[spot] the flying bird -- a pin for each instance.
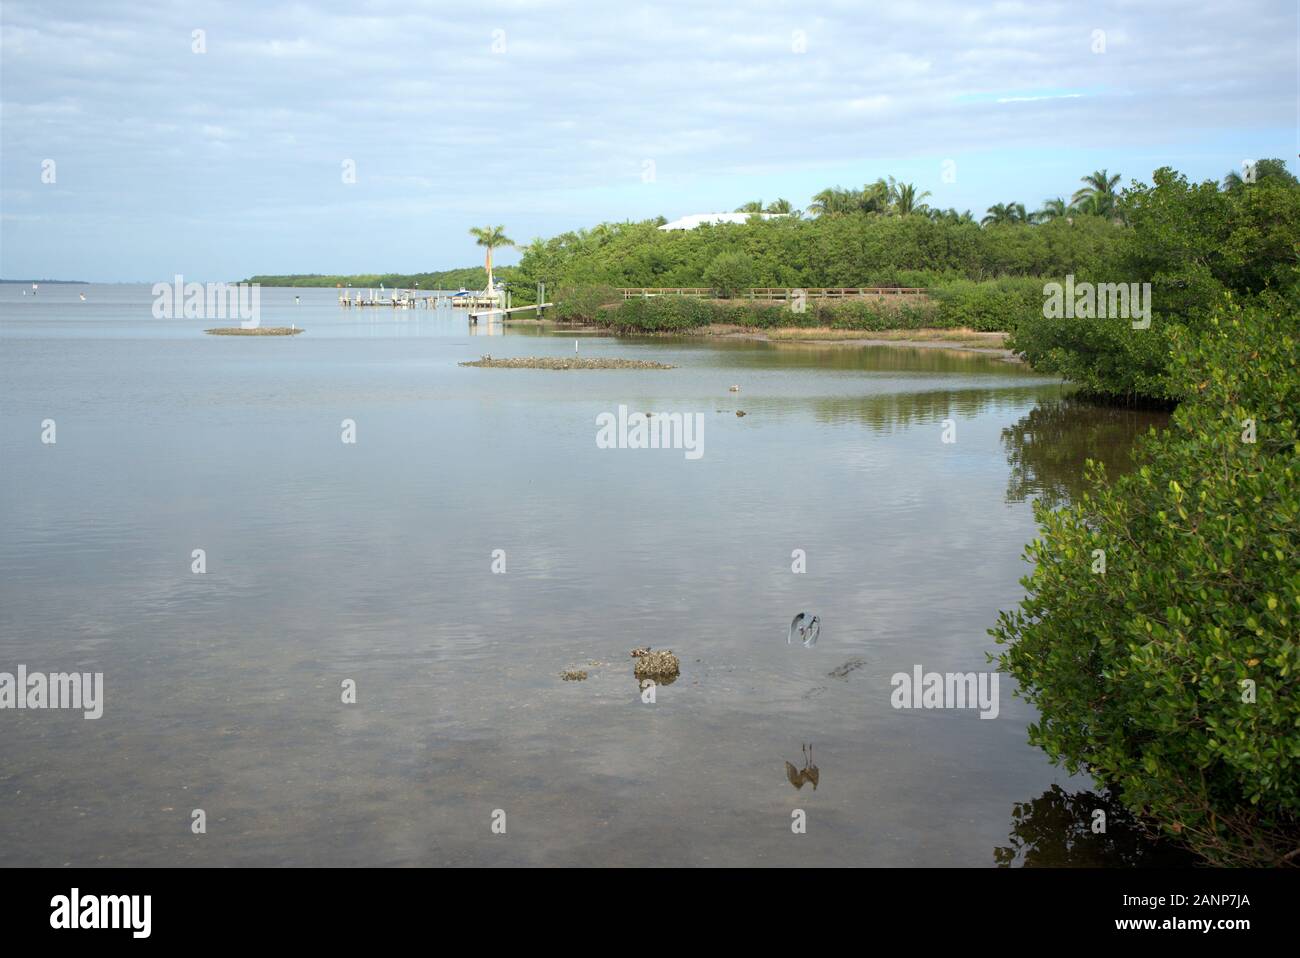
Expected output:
(805, 628)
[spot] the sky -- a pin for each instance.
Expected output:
(221, 140)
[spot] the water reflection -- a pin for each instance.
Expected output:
(1046, 449)
(1059, 828)
(889, 412)
(799, 777)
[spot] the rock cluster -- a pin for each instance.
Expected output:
(255, 331)
(657, 665)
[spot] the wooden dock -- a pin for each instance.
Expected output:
(394, 300)
(408, 300)
(777, 294)
(474, 317)
(473, 301)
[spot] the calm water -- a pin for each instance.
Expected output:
(372, 562)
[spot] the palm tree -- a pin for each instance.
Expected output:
(1000, 214)
(780, 206)
(491, 237)
(837, 201)
(1052, 210)
(821, 203)
(833, 201)
(536, 262)
(876, 197)
(906, 200)
(1264, 170)
(1098, 194)
(753, 206)
(949, 215)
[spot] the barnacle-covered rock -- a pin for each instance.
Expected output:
(658, 666)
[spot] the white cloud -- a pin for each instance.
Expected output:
(582, 95)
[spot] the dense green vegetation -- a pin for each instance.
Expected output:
(830, 250)
(1195, 244)
(1157, 637)
(680, 313)
(1170, 670)
(881, 235)
(960, 304)
(730, 274)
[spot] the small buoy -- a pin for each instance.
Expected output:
(575, 347)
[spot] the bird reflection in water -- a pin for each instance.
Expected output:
(798, 777)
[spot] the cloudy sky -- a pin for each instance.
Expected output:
(227, 152)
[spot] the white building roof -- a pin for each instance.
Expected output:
(699, 219)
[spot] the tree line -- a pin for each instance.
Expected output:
(1098, 196)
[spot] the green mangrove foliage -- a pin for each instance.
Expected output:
(730, 274)
(832, 250)
(1185, 245)
(982, 307)
(1195, 244)
(1158, 634)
